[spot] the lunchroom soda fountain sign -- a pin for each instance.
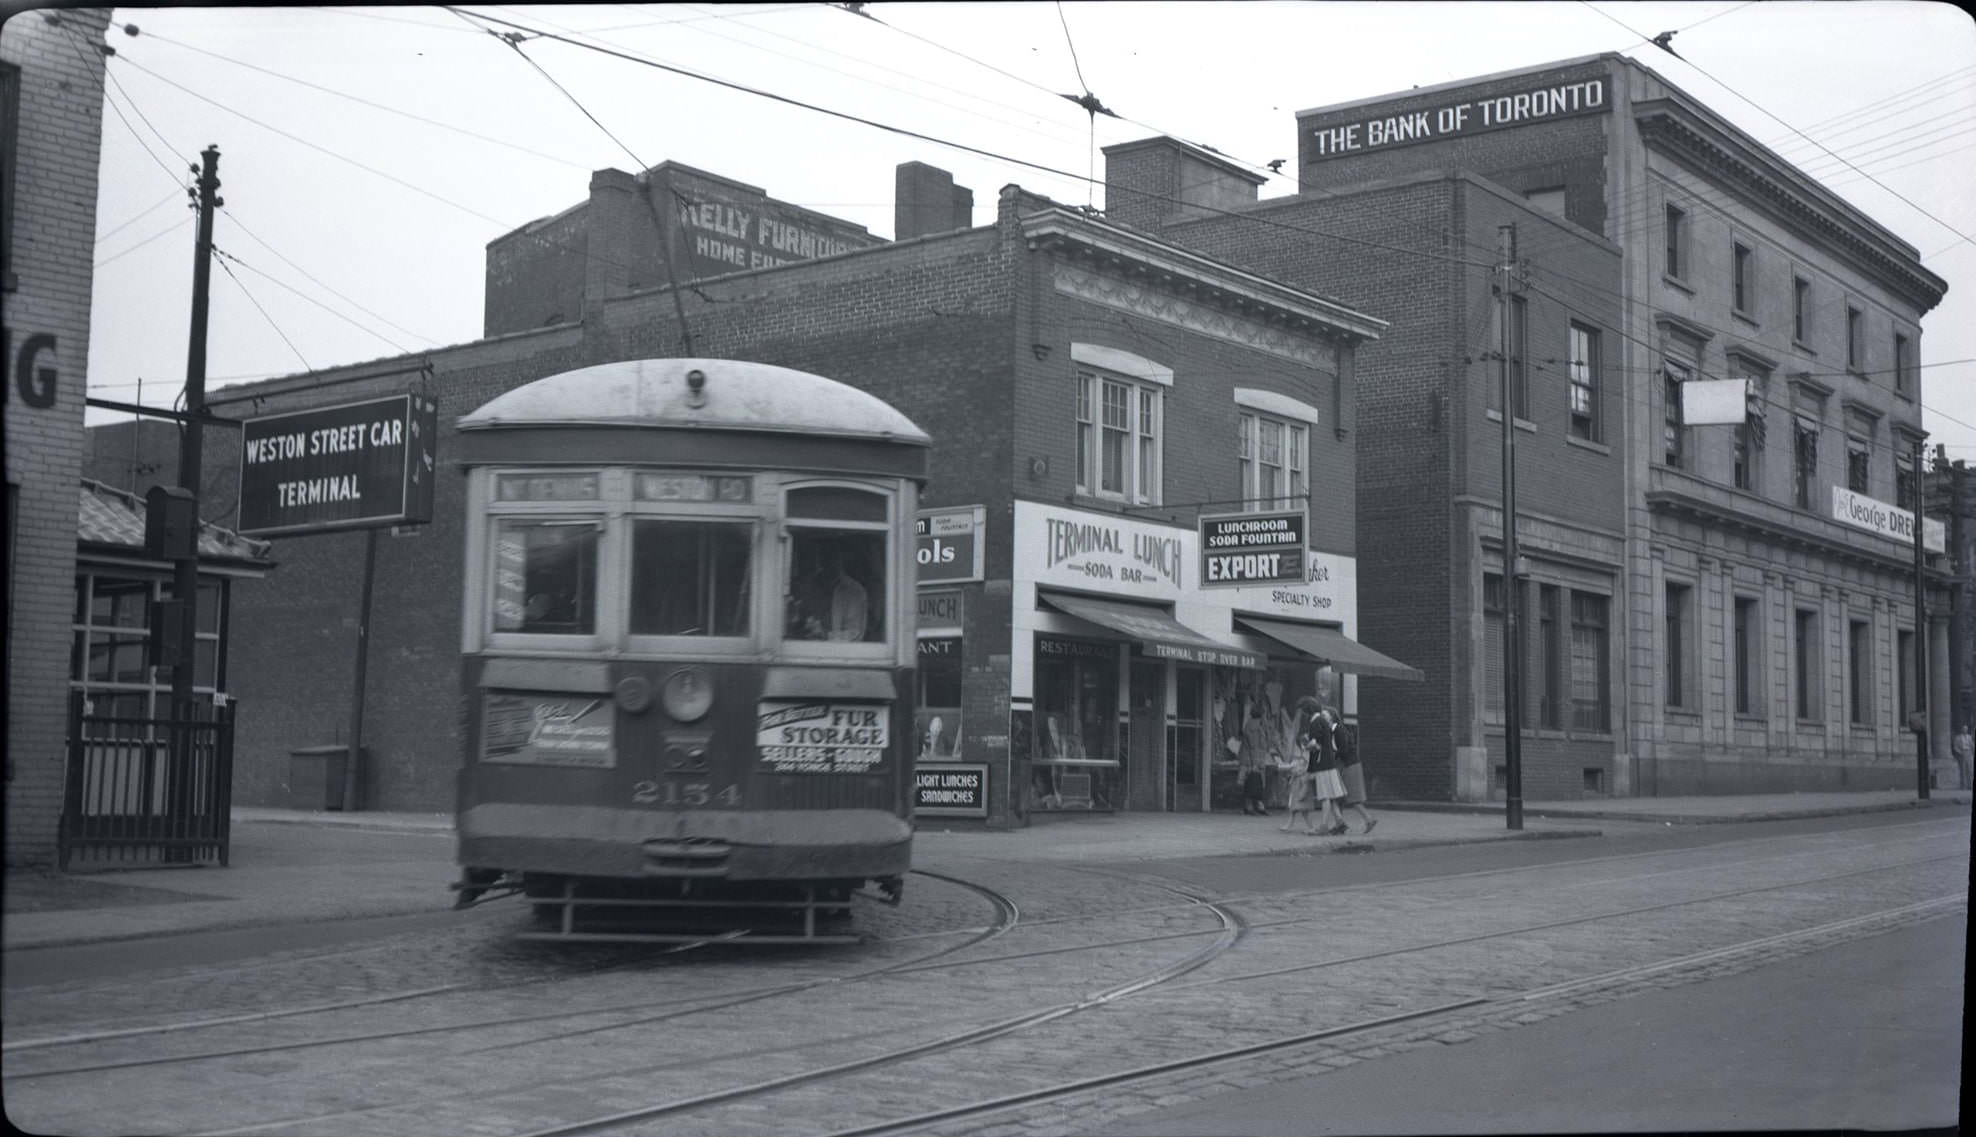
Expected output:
(353, 466)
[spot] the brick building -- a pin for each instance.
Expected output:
(1089, 391)
(1705, 608)
(51, 103)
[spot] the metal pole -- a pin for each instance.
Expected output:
(1923, 633)
(356, 754)
(185, 571)
(1512, 579)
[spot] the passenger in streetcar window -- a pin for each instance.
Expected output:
(832, 604)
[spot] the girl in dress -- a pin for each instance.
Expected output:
(1326, 786)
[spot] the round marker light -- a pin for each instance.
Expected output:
(688, 694)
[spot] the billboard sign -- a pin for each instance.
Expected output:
(1241, 550)
(1380, 127)
(949, 545)
(354, 466)
(1862, 512)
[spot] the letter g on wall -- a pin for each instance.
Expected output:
(36, 382)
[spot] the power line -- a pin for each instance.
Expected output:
(175, 227)
(1801, 134)
(306, 366)
(235, 218)
(160, 204)
(280, 284)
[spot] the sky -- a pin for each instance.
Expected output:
(367, 155)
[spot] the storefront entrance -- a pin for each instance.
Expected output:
(1145, 758)
(1186, 763)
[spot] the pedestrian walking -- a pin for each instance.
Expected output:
(1259, 752)
(1345, 740)
(1296, 771)
(1326, 786)
(1963, 747)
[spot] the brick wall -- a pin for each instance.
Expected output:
(58, 138)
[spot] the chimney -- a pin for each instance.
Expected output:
(1156, 182)
(614, 217)
(926, 200)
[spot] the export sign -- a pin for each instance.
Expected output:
(948, 544)
(1239, 550)
(1863, 512)
(951, 789)
(1454, 119)
(355, 466)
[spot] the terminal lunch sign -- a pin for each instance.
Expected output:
(355, 466)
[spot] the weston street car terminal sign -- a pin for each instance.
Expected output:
(1243, 549)
(354, 466)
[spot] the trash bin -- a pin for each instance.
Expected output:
(315, 776)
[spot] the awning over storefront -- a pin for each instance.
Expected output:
(1158, 634)
(1333, 647)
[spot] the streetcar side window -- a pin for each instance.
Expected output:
(690, 578)
(836, 589)
(545, 576)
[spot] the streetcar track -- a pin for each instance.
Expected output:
(1006, 912)
(1033, 1018)
(1199, 1061)
(933, 961)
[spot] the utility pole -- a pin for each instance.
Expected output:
(1512, 578)
(185, 574)
(1923, 633)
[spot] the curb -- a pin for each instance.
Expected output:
(1668, 818)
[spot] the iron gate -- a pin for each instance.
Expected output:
(145, 789)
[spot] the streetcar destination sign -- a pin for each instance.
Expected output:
(355, 466)
(1239, 550)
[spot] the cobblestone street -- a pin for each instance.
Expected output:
(1106, 969)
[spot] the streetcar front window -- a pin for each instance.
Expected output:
(690, 578)
(545, 576)
(837, 557)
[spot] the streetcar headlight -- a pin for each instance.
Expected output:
(688, 694)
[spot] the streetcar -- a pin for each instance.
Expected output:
(687, 652)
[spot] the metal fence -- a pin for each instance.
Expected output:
(144, 789)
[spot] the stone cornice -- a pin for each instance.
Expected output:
(1718, 507)
(1788, 196)
(1194, 278)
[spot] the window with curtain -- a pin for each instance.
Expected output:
(1273, 459)
(1590, 668)
(1584, 381)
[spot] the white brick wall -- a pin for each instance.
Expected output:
(57, 149)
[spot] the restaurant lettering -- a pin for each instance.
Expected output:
(1458, 118)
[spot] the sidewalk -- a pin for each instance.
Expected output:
(290, 867)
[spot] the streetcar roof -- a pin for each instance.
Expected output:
(737, 395)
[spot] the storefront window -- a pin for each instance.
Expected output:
(939, 690)
(1076, 734)
(545, 576)
(1272, 694)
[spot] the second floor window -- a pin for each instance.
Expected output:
(1904, 481)
(1858, 466)
(1855, 339)
(1272, 459)
(1903, 365)
(1118, 438)
(1805, 464)
(1584, 382)
(1673, 438)
(1800, 309)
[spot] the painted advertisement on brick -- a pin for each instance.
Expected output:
(1468, 111)
(721, 233)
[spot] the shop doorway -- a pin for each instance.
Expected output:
(1145, 759)
(1185, 764)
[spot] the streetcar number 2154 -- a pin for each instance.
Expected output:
(686, 794)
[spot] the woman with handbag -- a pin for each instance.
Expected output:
(1326, 786)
